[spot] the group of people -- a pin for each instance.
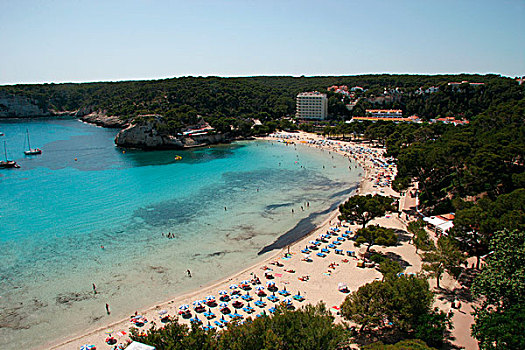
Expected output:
(169, 235)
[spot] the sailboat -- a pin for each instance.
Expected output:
(7, 163)
(31, 151)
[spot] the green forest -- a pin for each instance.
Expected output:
(236, 101)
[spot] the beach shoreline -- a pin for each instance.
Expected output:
(96, 336)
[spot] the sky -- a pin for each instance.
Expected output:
(78, 41)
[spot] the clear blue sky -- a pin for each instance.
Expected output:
(91, 40)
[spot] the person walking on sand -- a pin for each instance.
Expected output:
(107, 309)
(94, 289)
(189, 273)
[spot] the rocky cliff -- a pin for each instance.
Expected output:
(13, 106)
(147, 136)
(102, 119)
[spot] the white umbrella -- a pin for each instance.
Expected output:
(223, 304)
(270, 283)
(235, 296)
(197, 302)
(287, 300)
(245, 282)
(163, 312)
(259, 288)
(233, 286)
(223, 292)
(210, 297)
(184, 307)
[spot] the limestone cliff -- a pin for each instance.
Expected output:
(147, 136)
(14, 106)
(100, 118)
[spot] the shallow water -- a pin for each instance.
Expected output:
(56, 213)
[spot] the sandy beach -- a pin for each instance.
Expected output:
(315, 279)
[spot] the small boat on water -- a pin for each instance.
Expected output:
(178, 157)
(31, 151)
(7, 163)
(1, 133)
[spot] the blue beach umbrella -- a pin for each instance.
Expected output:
(197, 302)
(235, 296)
(87, 347)
(223, 292)
(259, 288)
(233, 286)
(210, 297)
(223, 304)
(270, 283)
(184, 307)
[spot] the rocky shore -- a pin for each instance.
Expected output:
(147, 136)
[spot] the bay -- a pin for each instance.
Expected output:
(88, 212)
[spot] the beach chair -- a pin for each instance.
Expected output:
(340, 239)
(272, 310)
(331, 246)
(339, 251)
(336, 242)
(305, 251)
(321, 255)
(324, 250)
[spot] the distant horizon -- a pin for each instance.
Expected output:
(251, 76)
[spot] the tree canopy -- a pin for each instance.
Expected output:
(376, 235)
(363, 209)
(400, 305)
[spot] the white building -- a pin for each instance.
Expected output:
(312, 105)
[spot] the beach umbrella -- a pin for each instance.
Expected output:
(223, 292)
(235, 296)
(287, 300)
(184, 307)
(270, 283)
(86, 347)
(197, 303)
(233, 286)
(210, 298)
(163, 312)
(109, 331)
(245, 282)
(259, 288)
(223, 304)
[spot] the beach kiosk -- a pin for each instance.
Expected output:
(139, 346)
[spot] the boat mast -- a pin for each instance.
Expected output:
(5, 150)
(28, 143)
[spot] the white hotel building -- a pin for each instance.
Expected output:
(311, 105)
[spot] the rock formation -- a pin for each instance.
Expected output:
(146, 135)
(100, 118)
(14, 106)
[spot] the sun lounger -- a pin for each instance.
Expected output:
(321, 255)
(298, 297)
(331, 246)
(272, 310)
(324, 250)
(284, 292)
(218, 324)
(305, 251)
(339, 251)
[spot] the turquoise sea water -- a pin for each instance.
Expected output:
(56, 213)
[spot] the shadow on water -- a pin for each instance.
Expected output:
(139, 158)
(303, 227)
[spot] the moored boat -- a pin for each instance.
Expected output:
(7, 163)
(31, 151)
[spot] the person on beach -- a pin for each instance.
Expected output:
(107, 309)
(189, 273)
(94, 289)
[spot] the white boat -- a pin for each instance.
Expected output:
(31, 151)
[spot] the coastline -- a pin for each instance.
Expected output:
(97, 336)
